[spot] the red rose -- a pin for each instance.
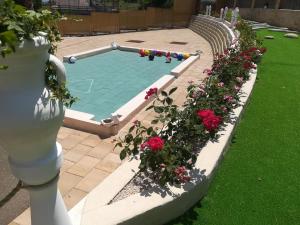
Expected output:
(205, 113)
(155, 144)
(209, 119)
(151, 92)
(211, 123)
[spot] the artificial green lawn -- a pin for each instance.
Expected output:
(258, 182)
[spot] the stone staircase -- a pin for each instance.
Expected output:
(214, 31)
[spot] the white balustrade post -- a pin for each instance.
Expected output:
(209, 10)
(232, 18)
(221, 14)
(237, 10)
(206, 12)
(225, 13)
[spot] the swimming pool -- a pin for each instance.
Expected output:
(111, 83)
(104, 82)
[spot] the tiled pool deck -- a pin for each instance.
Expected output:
(88, 159)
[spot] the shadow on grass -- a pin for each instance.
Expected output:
(188, 218)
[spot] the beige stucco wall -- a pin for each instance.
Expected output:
(278, 17)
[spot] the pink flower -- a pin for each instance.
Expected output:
(136, 122)
(144, 145)
(208, 72)
(239, 79)
(228, 98)
(224, 109)
(221, 84)
(150, 92)
(180, 173)
(237, 88)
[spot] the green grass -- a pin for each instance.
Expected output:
(258, 182)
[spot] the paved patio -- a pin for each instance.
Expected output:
(88, 159)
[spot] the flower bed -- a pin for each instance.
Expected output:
(169, 150)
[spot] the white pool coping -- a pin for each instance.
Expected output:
(150, 208)
(110, 126)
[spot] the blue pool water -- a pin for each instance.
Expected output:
(105, 82)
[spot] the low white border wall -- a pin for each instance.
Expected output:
(84, 122)
(150, 207)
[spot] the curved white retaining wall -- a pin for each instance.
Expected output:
(217, 33)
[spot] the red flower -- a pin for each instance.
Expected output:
(211, 123)
(205, 113)
(154, 143)
(151, 92)
(209, 119)
(247, 65)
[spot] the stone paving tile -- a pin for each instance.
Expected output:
(67, 181)
(24, 218)
(13, 223)
(83, 166)
(62, 135)
(77, 153)
(109, 163)
(92, 141)
(71, 141)
(73, 197)
(91, 180)
(66, 165)
(101, 150)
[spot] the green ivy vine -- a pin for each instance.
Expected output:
(18, 24)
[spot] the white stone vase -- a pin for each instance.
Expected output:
(30, 120)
